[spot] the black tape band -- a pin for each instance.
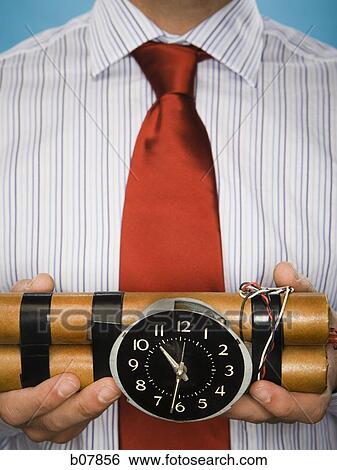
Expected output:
(35, 338)
(274, 360)
(106, 327)
(262, 327)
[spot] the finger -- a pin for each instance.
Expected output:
(333, 319)
(332, 369)
(70, 433)
(85, 405)
(19, 407)
(21, 286)
(286, 275)
(290, 407)
(41, 283)
(248, 409)
(39, 435)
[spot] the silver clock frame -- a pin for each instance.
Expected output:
(200, 308)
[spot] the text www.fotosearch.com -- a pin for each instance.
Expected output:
(166, 460)
(197, 460)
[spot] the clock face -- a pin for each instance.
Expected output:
(181, 365)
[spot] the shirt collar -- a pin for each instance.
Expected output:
(232, 35)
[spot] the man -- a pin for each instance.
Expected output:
(72, 103)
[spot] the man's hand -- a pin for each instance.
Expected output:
(55, 410)
(268, 402)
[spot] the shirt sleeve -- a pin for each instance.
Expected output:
(7, 431)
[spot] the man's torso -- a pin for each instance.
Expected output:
(66, 140)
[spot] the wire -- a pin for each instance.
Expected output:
(249, 290)
(333, 337)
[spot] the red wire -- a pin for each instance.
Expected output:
(333, 337)
(266, 301)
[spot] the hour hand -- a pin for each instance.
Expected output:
(173, 363)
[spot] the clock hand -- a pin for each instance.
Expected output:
(182, 354)
(173, 363)
(175, 393)
(179, 375)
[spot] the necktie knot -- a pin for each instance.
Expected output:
(170, 68)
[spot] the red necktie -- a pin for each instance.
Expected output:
(170, 228)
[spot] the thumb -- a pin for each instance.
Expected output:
(286, 275)
(41, 283)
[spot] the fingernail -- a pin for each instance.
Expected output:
(28, 285)
(67, 388)
(296, 275)
(106, 395)
(306, 285)
(262, 395)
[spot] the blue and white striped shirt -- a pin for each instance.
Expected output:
(72, 101)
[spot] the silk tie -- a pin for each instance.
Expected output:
(170, 239)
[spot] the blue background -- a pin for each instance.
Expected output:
(43, 14)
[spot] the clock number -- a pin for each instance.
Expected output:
(141, 344)
(158, 398)
(184, 326)
(220, 391)
(180, 407)
(230, 370)
(159, 330)
(202, 403)
(133, 363)
(206, 333)
(223, 352)
(140, 385)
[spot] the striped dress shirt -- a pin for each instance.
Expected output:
(72, 101)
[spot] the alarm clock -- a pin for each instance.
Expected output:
(181, 362)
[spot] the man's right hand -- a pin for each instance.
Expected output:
(55, 410)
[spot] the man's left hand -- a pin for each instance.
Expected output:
(268, 402)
